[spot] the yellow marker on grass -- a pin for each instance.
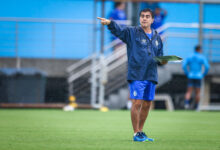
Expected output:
(104, 109)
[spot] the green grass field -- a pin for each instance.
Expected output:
(33, 129)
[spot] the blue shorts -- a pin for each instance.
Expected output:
(143, 90)
(194, 83)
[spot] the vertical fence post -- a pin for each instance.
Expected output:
(93, 69)
(210, 47)
(165, 45)
(201, 9)
(18, 60)
(53, 39)
(101, 72)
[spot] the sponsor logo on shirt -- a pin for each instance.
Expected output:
(135, 93)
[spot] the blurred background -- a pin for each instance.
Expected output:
(55, 52)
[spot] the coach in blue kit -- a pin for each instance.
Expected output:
(192, 67)
(143, 44)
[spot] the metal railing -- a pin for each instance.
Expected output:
(92, 64)
(84, 67)
(43, 37)
(211, 39)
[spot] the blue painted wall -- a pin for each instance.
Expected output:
(189, 13)
(75, 40)
(35, 39)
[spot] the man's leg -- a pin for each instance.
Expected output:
(197, 97)
(144, 113)
(135, 114)
(188, 93)
(188, 96)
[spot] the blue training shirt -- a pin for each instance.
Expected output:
(158, 21)
(192, 66)
(118, 15)
(149, 35)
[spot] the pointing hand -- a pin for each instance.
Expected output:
(104, 21)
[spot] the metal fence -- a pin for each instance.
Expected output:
(45, 38)
(181, 38)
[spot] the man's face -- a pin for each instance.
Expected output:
(146, 19)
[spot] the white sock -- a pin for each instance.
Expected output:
(135, 134)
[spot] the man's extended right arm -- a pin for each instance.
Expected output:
(121, 32)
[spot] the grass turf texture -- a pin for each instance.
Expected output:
(93, 130)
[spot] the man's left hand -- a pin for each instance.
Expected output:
(164, 62)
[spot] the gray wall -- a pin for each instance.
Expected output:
(53, 67)
(57, 67)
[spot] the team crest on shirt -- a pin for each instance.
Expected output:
(135, 93)
(143, 41)
(156, 42)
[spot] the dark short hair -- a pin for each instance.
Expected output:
(117, 4)
(147, 10)
(198, 48)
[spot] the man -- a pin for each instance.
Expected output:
(143, 44)
(159, 16)
(194, 74)
(119, 12)
(119, 15)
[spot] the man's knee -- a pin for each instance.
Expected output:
(137, 103)
(146, 104)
